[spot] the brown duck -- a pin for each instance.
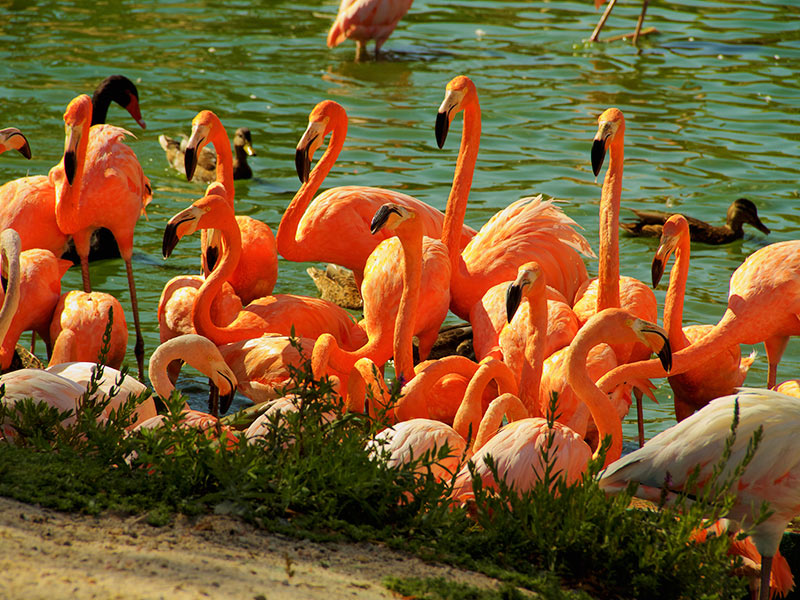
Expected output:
(207, 161)
(741, 211)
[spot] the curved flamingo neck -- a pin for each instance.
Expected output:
(68, 196)
(468, 419)
(532, 367)
(286, 238)
(462, 183)
(366, 374)
(410, 235)
(603, 412)
(225, 222)
(10, 248)
(505, 404)
(218, 137)
(608, 268)
(417, 392)
(673, 303)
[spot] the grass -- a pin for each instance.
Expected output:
(310, 477)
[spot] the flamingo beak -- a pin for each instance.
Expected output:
(598, 155)
(197, 141)
(225, 400)
(513, 300)
(382, 217)
(302, 164)
(657, 270)
(174, 229)
(12, 137)
(448, 109)
(308, 144)
(70, 149)
(442, 127)
(665, 352)
(133, 108)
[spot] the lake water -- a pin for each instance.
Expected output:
(712, 106)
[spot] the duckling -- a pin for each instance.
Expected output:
(207, 161)
(741, 211)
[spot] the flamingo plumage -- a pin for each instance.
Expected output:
(699, 441)
(285, 314)
(257, 270)
(365, 20)
(694, 388)
(528, 229)
(334, 226)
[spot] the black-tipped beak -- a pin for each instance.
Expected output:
(380, 218)
(25, 149)
(225, 400)
(170, 240)
(190, 162)
(302, 163)
(598, 155)
(70, 165)
(657, 270)
(665, 354)
(442, 127)
(513, 299)
(212, 254)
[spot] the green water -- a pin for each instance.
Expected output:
(711, 104)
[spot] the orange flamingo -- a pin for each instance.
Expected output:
(40, 289)
(528, 229)
(365, 20)
(388, 292)
(257, 269)
(335, 226)
(694, 388)
(285, 314)
(97, 166)
(763, 304)
(12, 138)
(78, 324)
(516, 448)
(698, 442)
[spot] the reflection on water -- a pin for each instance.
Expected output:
(710, 104)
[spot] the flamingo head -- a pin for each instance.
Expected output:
(12, 138)
(460, 92)
(652, 336)
(77, 118)
(122, 91)
(320, 122)
(674, 229)
(743, 210)
(390, 216)
(203, 126)
(530, 280)
(199, 215)
(243, 139)
(610, 126)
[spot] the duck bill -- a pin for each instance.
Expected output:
(248, 148)
(513, 300)
(381, 217)
(756, 223)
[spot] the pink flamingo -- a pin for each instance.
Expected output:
(763, 304)
(516, 448)
(335, 226)
(364, 20)
(286, 314)
(97, 166)
(694, 388)
(12, 138)
(388, 290)
(699, 441)
(257, 269)
(637, 32)
(528, 229)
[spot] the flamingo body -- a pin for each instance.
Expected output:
(364, 20)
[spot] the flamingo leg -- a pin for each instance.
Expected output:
(775, 347)
(602, 21)
(87, 284)
(766, 570)
(361, 50)
(138, 349)
(639, 415)
(639, 22)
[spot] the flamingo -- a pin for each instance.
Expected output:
(79, 323)
(40, 290)
(206, 169)
(284, 313)
(669, 458)
(388, 294)
(694, 388)
(528, 229)
(516, 448)
(335, 226)
(637, 32)
(763, 306)
(12, 138)
(257, 269)
(119, 89)
(650, 223)
(97, 166)
(364, 20)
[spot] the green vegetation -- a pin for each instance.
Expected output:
(309, 476)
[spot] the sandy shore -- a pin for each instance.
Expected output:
(50, 555)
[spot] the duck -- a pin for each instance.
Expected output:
(741, 211)
(207, 161)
